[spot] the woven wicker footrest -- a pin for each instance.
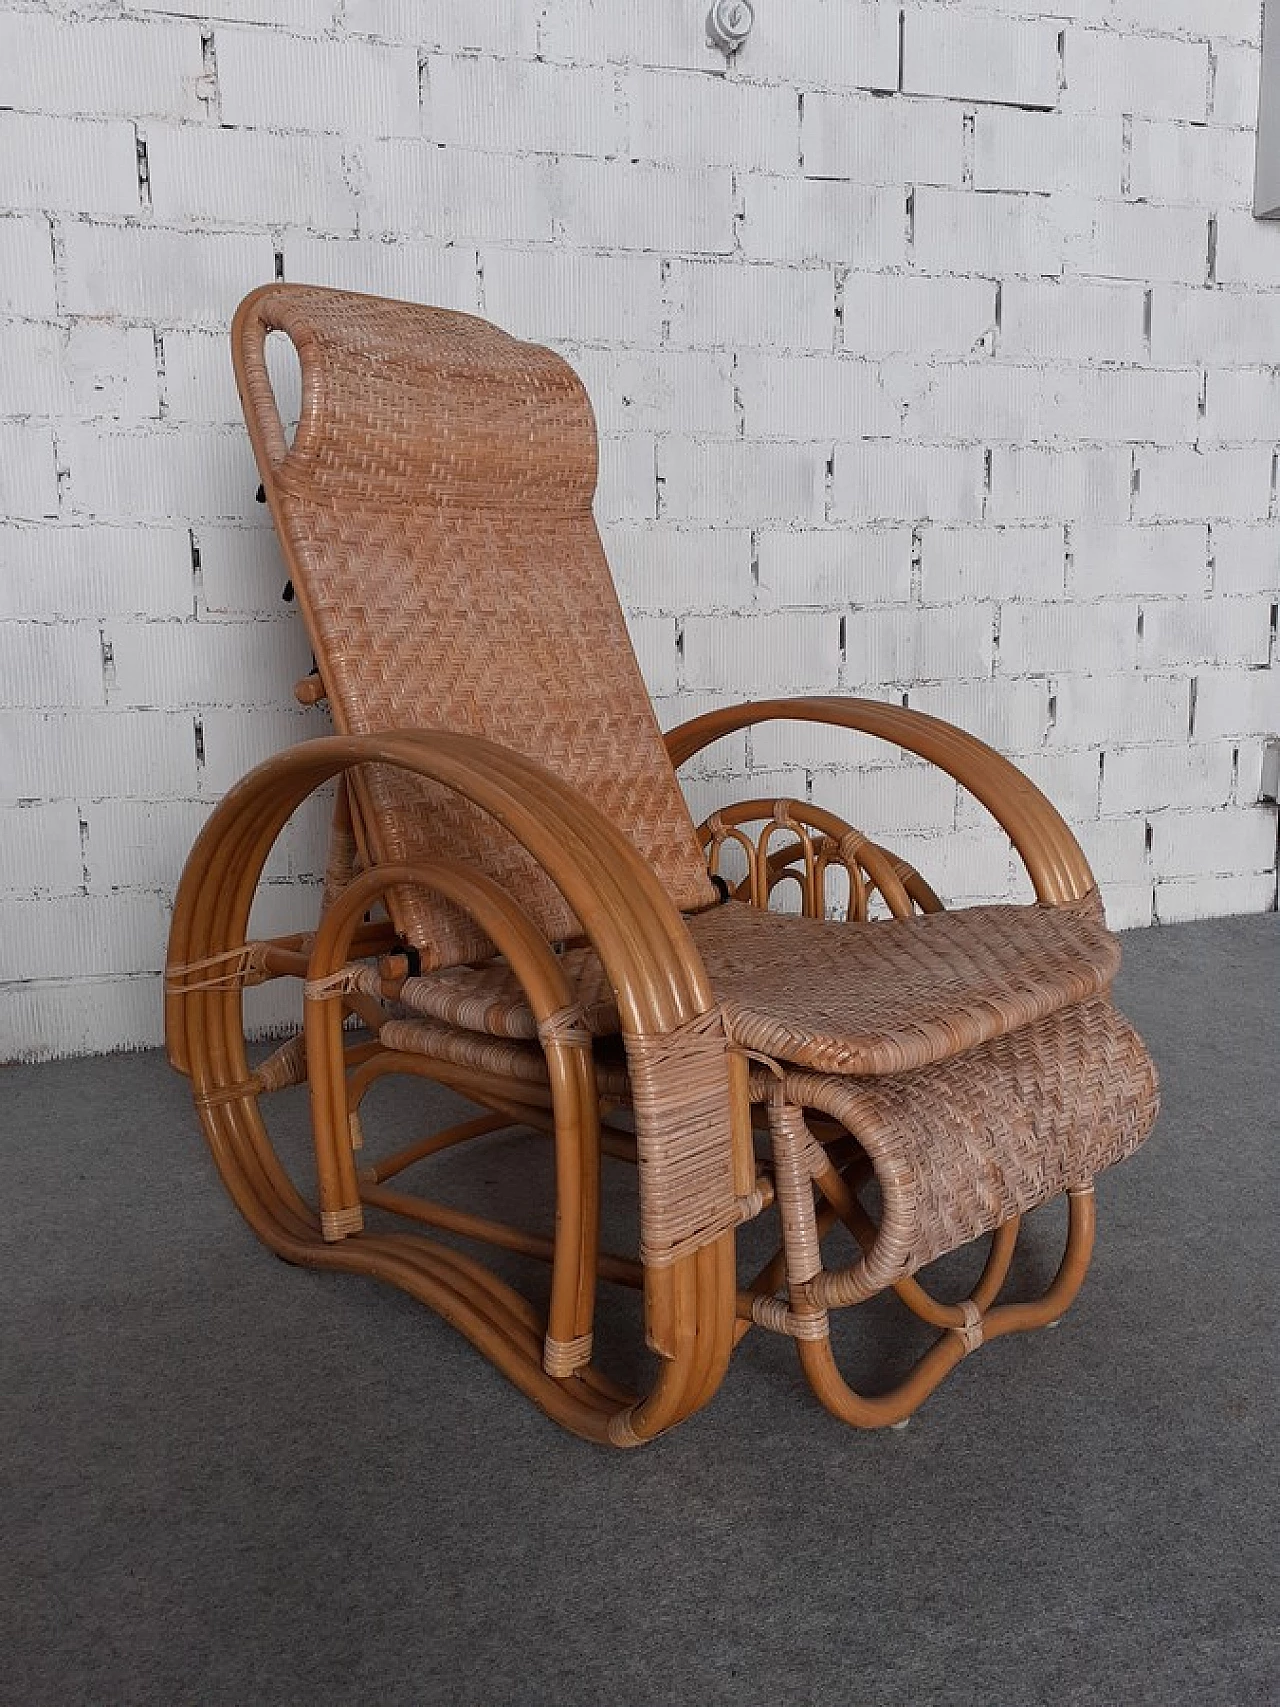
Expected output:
(960, 1147)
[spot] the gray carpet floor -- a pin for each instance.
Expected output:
(228, 1481)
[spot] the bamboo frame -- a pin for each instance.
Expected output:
(1053, 858)
(690, 1303)
(868, 867)
(697, 1096)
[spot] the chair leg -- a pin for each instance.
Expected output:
(504, 1326)
(576, 1109)
(800, 1165)
(980, 1324)
(210, 960)
(838, 1193)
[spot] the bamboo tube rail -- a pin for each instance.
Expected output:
(1052, 856)
(690, 1302)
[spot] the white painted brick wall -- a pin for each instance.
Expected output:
(880, 480)
(628, 488)
(887, 313)
(684, 391)
(1181, 481)
(1041, 153)
(740, 480)
(1125, 240)
(830, 567)
(1235, 84)
(1034, 483)
(1046, 639)
(236, 740)
(689, 119)
(1231, 18)
(933, 349)
(1147, 76)
(1235, 702)
(45, 571)
(1098, 705)
(442, 273)
(821, 44)
(799, 397)
(573, 296)
(1011, 715)
(902, 646)
(961, 231)
(1245, 557)
(793, 651)
(788, 220)
(516, 107)
(984, 563)
(1241, 405)
(1072, 320)
(1199, 164)
(960, 56)
(597, 32)
(1205, 631)
(71, 164)
(106, 67)
(288, 83)
(43, 851)
(466, 26)
(200, 176)
(725, 304)
(27, 283)
(46, 665)
(1154, 779)
(1216, 328)
(1200, 844)
(28, 471)
(871, 141)
(1115, 558)
(144, 273)
(675, 570)
(905, 800)
(613, 204)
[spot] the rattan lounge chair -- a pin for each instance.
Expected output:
(519, 906)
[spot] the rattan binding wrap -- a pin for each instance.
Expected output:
(435, 510)
(680, 1093)
(679, 1088)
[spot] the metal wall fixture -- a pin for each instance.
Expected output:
(729, 24)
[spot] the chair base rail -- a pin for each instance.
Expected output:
(830, 1135)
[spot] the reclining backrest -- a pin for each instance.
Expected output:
(435, 513)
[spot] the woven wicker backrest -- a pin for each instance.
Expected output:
(435, 513)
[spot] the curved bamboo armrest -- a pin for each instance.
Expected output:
(1055, 863)
(670, 1019)
(639, 934)
(693, 1138)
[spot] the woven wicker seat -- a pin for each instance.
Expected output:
(834, 997)
(903, 993)
(518, 906)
